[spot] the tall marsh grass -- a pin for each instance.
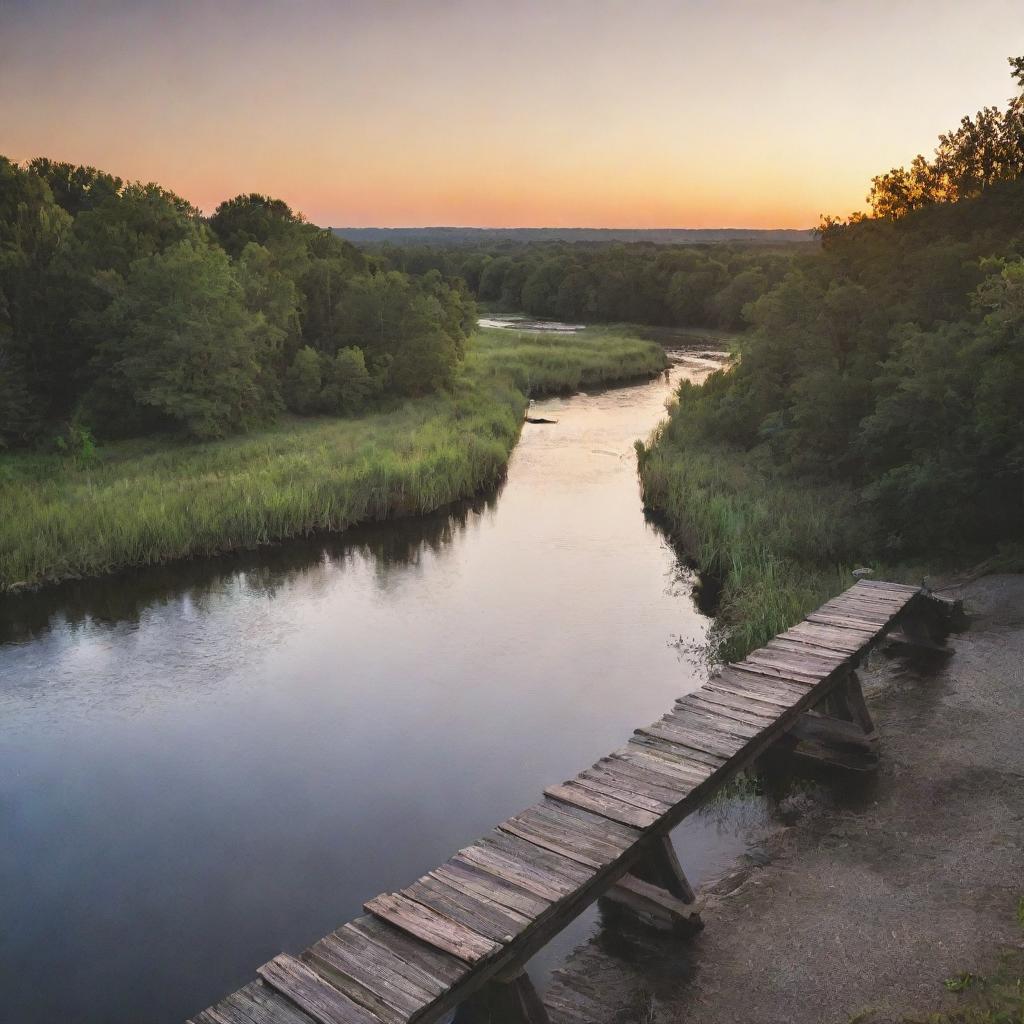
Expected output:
(779, 546)
(143, 502)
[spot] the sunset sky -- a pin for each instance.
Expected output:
(642, 113)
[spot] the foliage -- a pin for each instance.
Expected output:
(641, 283)
(123, 309)
(146, 500)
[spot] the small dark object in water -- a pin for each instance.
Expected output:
(539, 419)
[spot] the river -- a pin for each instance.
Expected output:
(204, 764)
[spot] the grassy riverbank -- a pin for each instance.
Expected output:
(148, 501)
(779, 546)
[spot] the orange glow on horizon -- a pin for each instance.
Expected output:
(588, 113)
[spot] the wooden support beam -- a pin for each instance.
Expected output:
(653, 905)
(499, 1002)
(660, 866)
(845, 736)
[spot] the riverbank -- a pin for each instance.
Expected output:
(892, 898)
(777, 545)
(153, 500)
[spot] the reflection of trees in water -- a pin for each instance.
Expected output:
(126, 596)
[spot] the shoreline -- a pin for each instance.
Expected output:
(897, 894)
(428, 455)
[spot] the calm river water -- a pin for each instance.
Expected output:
(205, 764)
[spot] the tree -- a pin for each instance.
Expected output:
(181, 343)
(253, 218)
(304, 381)
(347, 382)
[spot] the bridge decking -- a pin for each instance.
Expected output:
(479, 917)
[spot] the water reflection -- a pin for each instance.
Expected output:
(206, 763)
(125, 597)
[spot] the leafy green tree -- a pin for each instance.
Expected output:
(181, 343)
(304, 381)
(347, 382)
(253, 218)
(76, 188)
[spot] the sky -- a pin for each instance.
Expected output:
(504, 113)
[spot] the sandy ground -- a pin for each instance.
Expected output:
(866, 895)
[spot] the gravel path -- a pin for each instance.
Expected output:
(876, 891)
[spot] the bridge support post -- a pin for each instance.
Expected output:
(840, 732)
(515, 1001)
(658, 893)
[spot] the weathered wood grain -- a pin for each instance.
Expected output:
(431, 927)
(311, 993)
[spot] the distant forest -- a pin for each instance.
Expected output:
(123, 311)
(445, 236)
(638, 283)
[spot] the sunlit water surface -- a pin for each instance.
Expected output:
(206, 764)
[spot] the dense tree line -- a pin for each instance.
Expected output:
(640, 283)
(123, 311)
(895, 356)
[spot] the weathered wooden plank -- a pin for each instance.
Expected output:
(691, 776)
(418, 955)
(711, 718)
(757, 712)
(579, 820)
(875, 603)
(694, 715)
(829, 637)
(784, 691)
(700, 704)
(545, 860)
(488, 919)
(868, 619)
(473, 879)
(803, 660)
(618, 790)
(806, 674)
(843, 621)
(789, 665)
(616, 810)
(311, 993)
(432, 927)
(265, 1006)
(804, 646)
(727, 688)
(658, 787)
(864, 618)
(673, 750)
(884, 585)
(254, 1003)
(373, 986)
(560, 839)
(544, 883)
(630, 783)
(388, 961)
(704, 741)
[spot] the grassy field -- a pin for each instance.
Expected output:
(779, 546)
(142, 502)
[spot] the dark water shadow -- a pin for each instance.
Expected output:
(124, 596)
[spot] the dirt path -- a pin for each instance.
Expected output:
(873, 896)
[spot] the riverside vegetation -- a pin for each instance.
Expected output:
(872, 416)
(145, 500)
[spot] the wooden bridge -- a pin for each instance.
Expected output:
(459, 937)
